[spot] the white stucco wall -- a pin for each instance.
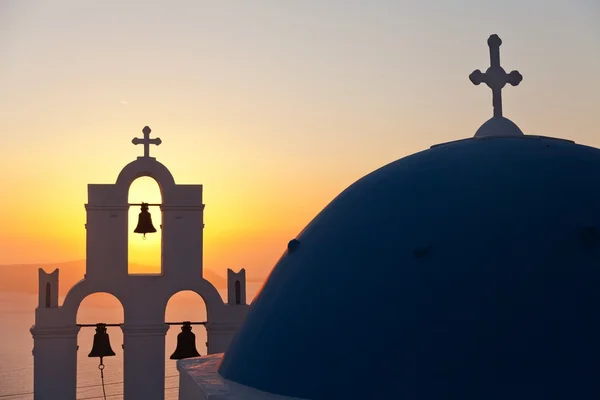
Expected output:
(199, 380)
(144, 297)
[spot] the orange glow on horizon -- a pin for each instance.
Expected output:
(249, 217)
(248, 223)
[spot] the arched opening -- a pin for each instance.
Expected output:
(182, 306)
(48, 294)
(238, 292)
(99, 308)
(144, 252)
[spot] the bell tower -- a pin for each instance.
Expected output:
(143, 297)
(182, 220)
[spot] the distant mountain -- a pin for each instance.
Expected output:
(24, 277)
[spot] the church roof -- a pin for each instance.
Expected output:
(466, 271)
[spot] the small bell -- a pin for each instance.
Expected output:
(101, 347)
(186, 343)
(144, 222)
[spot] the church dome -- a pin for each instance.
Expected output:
(468, 271)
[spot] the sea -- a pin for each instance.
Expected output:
(16, 344)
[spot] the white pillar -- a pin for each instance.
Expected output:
(55, 362)
(144, 361)
(188, 389)
(182, 238)
(219, 336)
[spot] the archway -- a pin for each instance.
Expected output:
(144, 252)
(99, 308)
(185, 305)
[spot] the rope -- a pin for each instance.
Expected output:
(101, 368)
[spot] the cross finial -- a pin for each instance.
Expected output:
(146, 141)
(495, 76)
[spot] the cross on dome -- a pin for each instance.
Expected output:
(495, 76)
(146, 141)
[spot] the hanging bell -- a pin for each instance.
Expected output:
(186, 343)
(144, 222)
(101, 347)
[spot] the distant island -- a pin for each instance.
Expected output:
(23, 278)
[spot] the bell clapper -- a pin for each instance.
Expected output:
(101, 368)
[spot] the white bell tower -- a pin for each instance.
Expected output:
(144, 297)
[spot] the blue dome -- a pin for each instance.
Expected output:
(467, 271)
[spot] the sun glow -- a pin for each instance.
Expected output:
(144, 253)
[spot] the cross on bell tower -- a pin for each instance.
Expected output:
(495, 76)
(146, 141)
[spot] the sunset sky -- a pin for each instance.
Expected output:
(274, 106)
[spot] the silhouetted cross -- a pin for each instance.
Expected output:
(146, 141)
(495, 76)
